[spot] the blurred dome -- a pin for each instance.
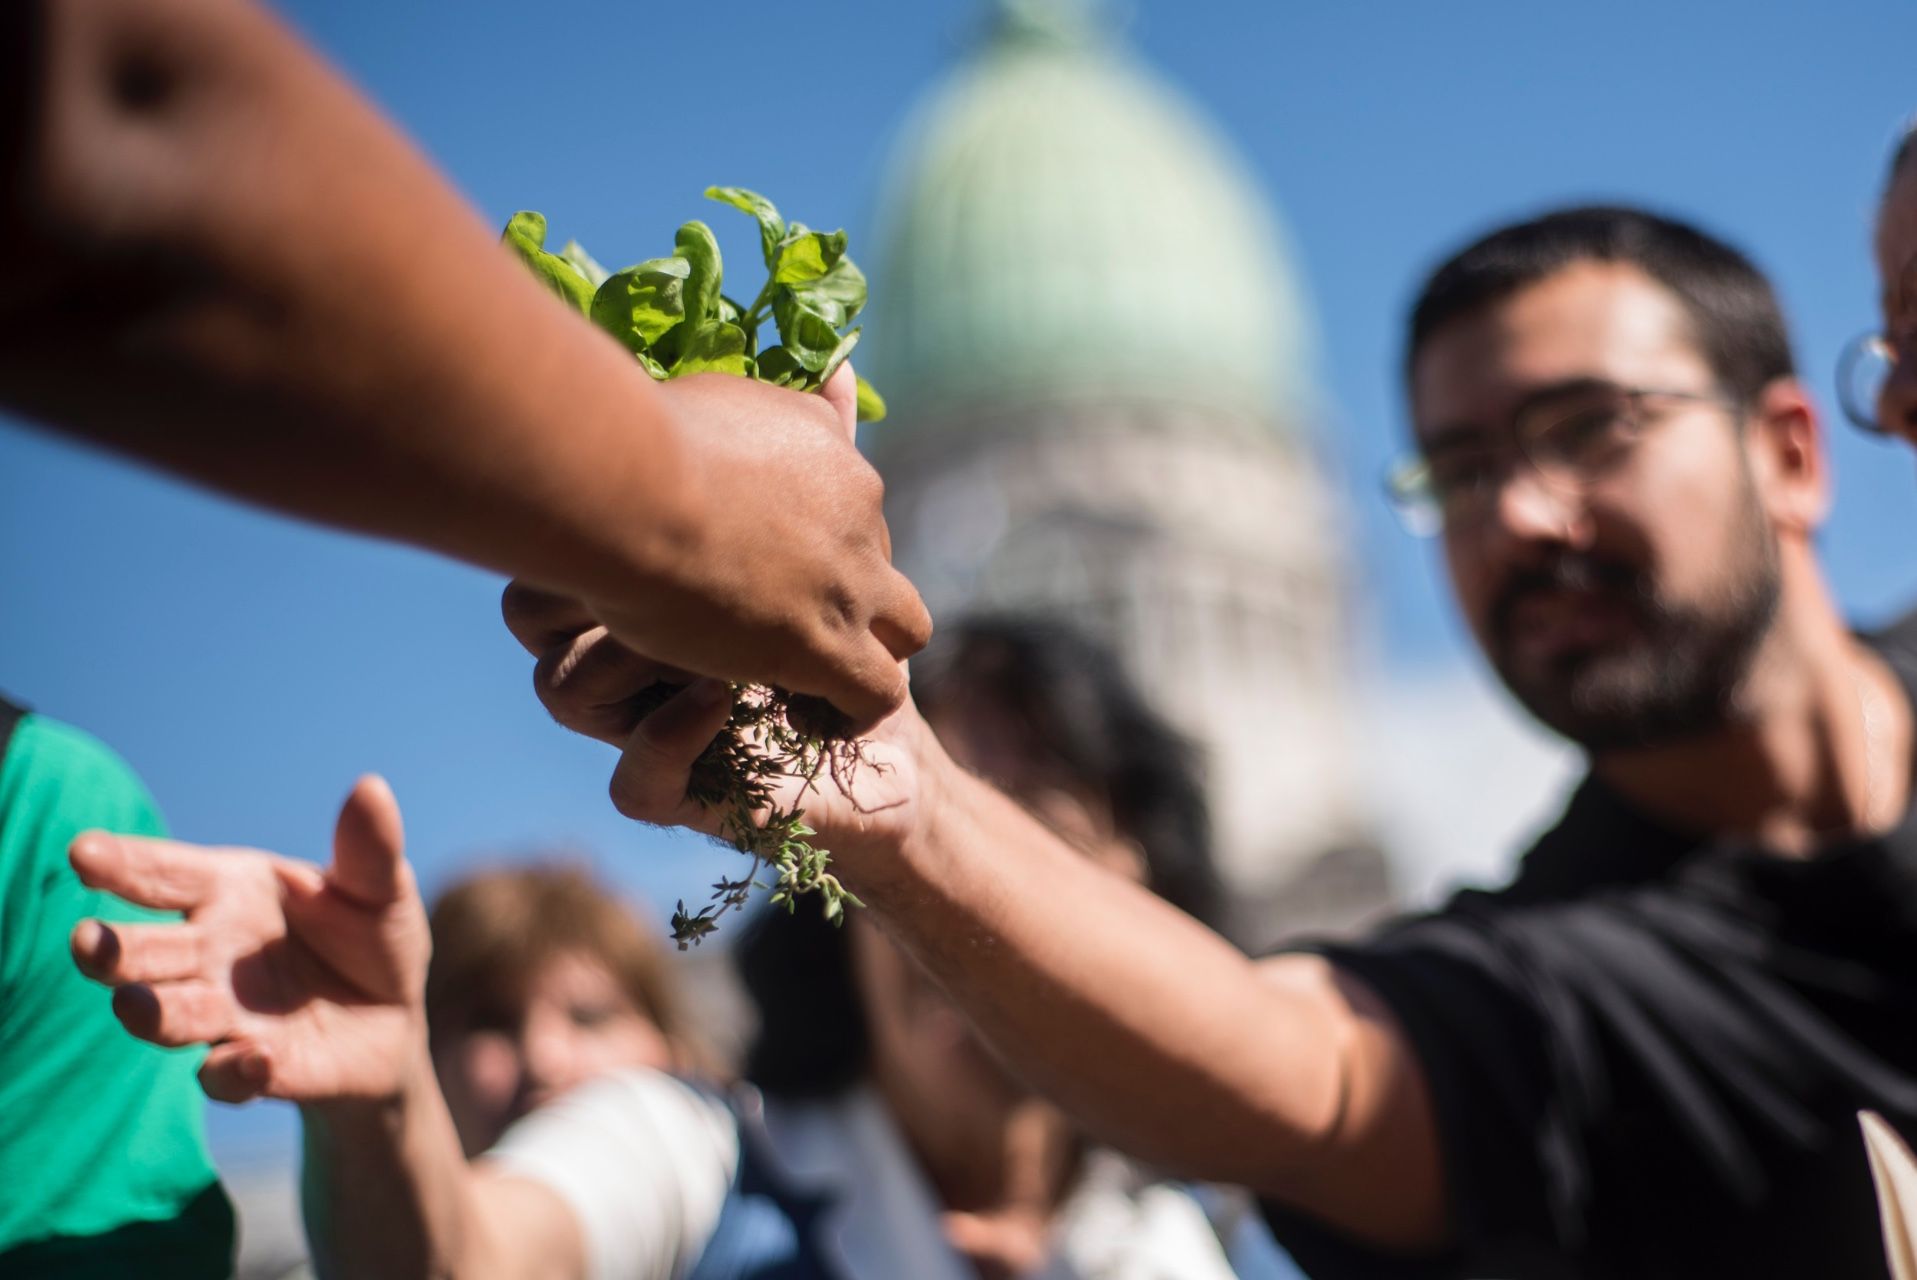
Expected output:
(1061, 224)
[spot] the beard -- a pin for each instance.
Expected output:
(1679, 672)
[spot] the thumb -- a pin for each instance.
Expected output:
(369, 845)
(841, 391)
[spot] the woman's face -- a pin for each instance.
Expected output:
(1897, 272)
(575, 1024)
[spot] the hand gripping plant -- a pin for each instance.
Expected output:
(672, 314)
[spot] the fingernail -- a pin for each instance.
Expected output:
(89, 938)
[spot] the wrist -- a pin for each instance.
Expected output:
(891, 856)
(382, 1101)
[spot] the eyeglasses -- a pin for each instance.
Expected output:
(1863, 371)
(1570, 440)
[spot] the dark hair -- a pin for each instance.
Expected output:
(1734, 315)
(1905, 148)
(1086, 725)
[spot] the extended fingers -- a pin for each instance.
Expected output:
(117, 954)
(649, 783)
(590, 684)
(369, 846)
(154, 873)
(174, 1014)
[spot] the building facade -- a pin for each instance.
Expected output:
(1099, 365)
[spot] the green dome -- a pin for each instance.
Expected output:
(1060, 224)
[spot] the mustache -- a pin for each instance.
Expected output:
(1566, 571)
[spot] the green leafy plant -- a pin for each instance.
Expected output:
(672, 314)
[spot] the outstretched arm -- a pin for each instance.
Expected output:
(308, 985)
(215, 256)
(1286, 1075)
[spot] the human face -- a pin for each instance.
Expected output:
(1624, 611)
(574, 1025)
(1896, 252)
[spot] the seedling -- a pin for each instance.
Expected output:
(672, 314)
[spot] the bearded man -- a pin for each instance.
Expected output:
(1643, 1058)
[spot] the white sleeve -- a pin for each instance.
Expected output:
(644, 1161)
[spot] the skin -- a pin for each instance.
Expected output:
(309, 983)
(292, 340)
(1787, 763)
(1284, 1075)
(1677, 552)
(1896, 254)
(571, 1024)
(1000, 1159)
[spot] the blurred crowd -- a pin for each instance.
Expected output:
(1681, 1041)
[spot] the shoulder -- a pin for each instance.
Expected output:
(638, 1108)
(63, 1057)
(642, 1160)
(53, 772)
(624, 1133)
(55, 782)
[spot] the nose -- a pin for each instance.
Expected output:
(546, 1053)
(1529, 509)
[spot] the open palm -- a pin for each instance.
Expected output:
(306, 983)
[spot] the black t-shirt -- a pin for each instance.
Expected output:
(1646, 1055)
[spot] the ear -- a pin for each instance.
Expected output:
(1784, 445)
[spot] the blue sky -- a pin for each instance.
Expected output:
(250, 667)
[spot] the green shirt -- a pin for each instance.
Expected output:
(103, 1162)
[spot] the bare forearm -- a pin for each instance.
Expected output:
(387, 1191)
(1157, 1033)
(1282, 1075)
(385, 1187)
(216, 257)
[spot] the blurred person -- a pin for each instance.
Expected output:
(862, 1060)
(104, 1171)
(541, 980)
(1877, 375)
(1877, 386)
(1644, 1056)
(881, 1140)
(339, 337)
